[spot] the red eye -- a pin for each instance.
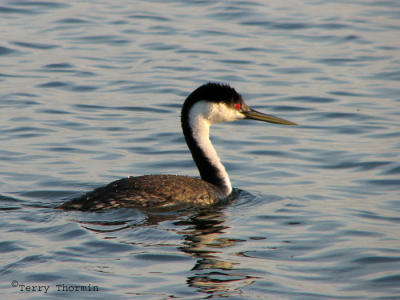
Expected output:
(238, 106)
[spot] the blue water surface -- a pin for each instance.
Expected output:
(90, 92)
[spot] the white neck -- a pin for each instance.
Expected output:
(200, 119)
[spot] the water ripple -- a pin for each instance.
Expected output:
(36, 46)
(7, 51)
(6, 10)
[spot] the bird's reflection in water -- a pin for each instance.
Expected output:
(204, 239)
(216, 271)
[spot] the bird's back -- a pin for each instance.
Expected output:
(148, 192)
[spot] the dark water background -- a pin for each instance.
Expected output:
(90, 91)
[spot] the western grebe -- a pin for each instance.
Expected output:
(210, 103)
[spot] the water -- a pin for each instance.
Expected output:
(91, 92)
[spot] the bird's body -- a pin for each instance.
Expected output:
(210, 103)
(156, 192)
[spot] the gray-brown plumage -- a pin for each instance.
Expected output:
(208, 104)
(150, 191)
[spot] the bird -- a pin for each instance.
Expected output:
(210, 103)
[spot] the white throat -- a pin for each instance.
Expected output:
(201, 116)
